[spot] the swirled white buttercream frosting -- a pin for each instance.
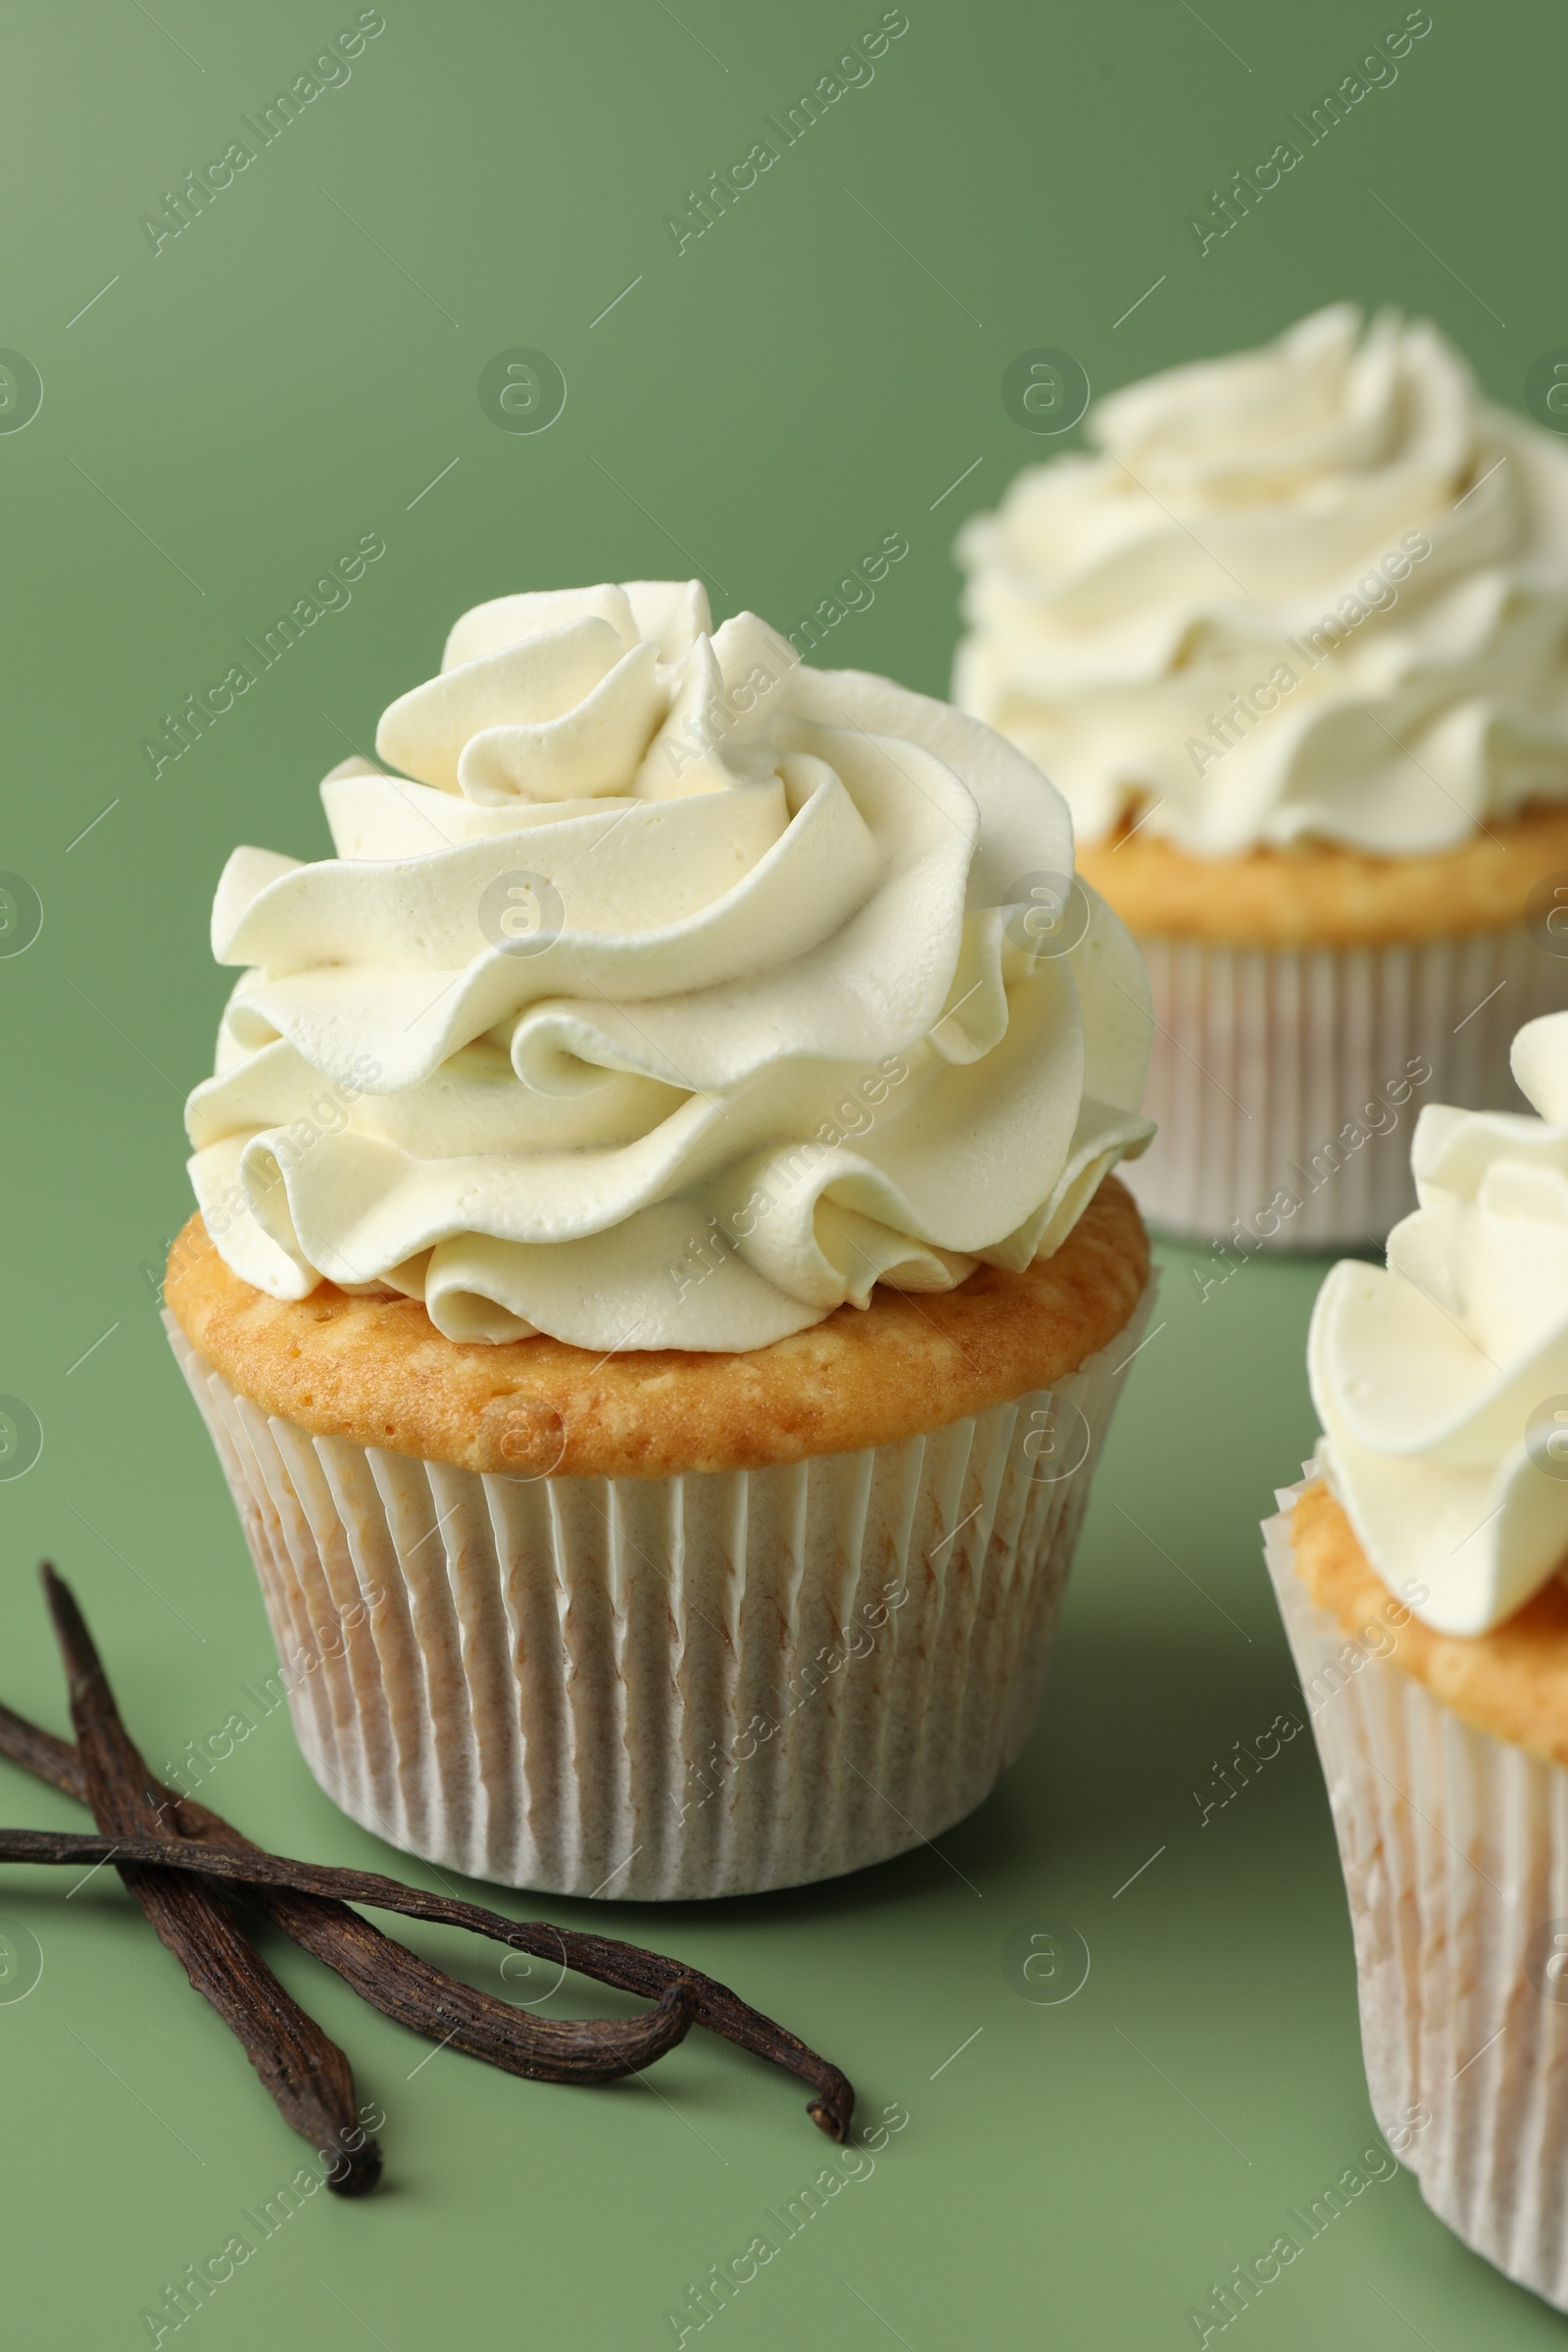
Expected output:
(1441, 1383)
(670, 994)
(1313, 592)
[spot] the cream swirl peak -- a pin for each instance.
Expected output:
(671, 995)
(1317, 591)
(1442, 1384)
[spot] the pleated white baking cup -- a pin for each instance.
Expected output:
(704, 1685)
(1455, 1847)
(1267, 1061)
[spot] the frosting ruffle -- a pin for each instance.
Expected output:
(1441, 1383)
(671, 995)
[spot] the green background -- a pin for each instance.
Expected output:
(225, 416)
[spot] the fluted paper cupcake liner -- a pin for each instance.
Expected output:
(1454, 1846)
(704, 1685)
(1267, 1061)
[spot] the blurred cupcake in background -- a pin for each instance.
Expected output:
(1420, 1570)
(1294, 644)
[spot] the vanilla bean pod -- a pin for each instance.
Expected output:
(409, 1990)
(306, 2075)
(388, 1976)
(596, 1955)
(385, 1973)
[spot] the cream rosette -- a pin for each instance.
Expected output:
(1441, 1383)
(1316, 590)
(671, 995)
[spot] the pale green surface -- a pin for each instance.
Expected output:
(779, 397)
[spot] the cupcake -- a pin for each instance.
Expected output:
(659, 1289)
(1294, 644)
(1422, 1572)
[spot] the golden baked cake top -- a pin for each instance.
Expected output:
(1512, 1682)
(1322, 895)
(377, 1371)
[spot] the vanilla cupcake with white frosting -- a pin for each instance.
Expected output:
(1422, 1571)
(656, 1232)
(1292, 643)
